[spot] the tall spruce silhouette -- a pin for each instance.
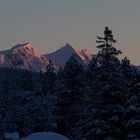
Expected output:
(107, 53)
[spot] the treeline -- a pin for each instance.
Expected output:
(99, 101)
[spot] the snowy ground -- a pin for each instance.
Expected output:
(45, 136)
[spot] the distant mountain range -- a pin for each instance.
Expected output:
(60, 56)
(24, 56)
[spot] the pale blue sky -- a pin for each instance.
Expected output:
(49, 24)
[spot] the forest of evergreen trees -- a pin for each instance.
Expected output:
(100, 101)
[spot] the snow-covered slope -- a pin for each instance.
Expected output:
(60, 56)
(45, 136)
(23, 56)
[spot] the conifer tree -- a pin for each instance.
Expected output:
(104, 119)
(72, 71)
(48, 79)
(107, 55)
(26, 81)
(67, 91)
(91, 69)
(131, 116)
(108, 78)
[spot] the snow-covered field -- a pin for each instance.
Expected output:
(34, 136)
(45, 136)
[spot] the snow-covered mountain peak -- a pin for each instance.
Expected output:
(25, 49)
(23, 56)
(60, 56)
(25, 45)
(69, 47)
(86, 54)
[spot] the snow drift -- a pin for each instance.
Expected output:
(45, 136)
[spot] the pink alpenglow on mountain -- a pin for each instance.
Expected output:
(60, 56)
(23, 56)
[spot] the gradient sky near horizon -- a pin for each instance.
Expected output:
(50, 24)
